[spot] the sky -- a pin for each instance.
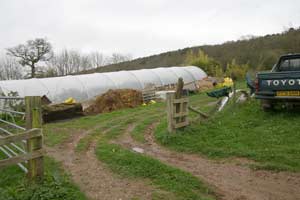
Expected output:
(141, 27)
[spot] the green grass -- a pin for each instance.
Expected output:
(56, 185)
(115, 125)
(272, 139)
(138, 132)
(182, 184)
(2, 155)
(85, 142)
(171, 183)
(56, 133)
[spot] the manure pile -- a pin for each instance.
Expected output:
(115, 100)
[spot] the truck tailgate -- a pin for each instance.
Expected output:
(278, 81)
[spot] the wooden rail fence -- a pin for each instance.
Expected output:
(177, 108)
(149, 94)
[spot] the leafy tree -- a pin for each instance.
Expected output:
(235, 70)
(32, 52)
(202, 60)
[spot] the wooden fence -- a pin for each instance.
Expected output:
(149, 94)
(177, 112)
(28, 142)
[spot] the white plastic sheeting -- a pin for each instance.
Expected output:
(86, 86)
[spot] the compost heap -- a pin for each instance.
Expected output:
(115, 100)
(205, 84)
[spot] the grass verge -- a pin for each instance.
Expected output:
(272, 138)
(167, 178)
(138, 132)
(56, 185)
(56, 133)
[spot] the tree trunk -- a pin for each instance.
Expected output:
(32, 71)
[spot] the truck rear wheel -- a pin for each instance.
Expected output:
(267, 105)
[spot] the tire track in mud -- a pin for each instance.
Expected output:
(91, 175)
(230, 180)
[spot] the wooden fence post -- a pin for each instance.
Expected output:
(177, 108)
(34, 120)
(234, 77)
(179, 88)
(170, 108)
(178, 95)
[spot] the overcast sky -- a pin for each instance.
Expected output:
(141, 27)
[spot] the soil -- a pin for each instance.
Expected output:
(93, 178)
(231, 179)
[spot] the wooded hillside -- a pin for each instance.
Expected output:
(257, 52)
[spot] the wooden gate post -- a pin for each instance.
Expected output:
(178, 95)
(34, 120)
(177, 108)
(170, 109)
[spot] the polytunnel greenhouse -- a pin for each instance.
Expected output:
(83, 87)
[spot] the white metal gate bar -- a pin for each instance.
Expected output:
(13, 149)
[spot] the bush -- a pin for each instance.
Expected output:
(236, 71)
(209, 65)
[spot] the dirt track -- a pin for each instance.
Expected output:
(232, 180)
(93, 178)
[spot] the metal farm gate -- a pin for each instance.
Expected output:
(21, 138)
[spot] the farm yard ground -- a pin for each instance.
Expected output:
(240, 153)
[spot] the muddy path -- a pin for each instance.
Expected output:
(230, 179)
(93, 178)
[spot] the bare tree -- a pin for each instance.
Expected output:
(10, 69)
(96, 59)
(31, 53)
(70, 61)
(247, 37)
(59, 62)
(85, 62)
(46, 71)
(78, 61)
(117, 58)
(73, 61)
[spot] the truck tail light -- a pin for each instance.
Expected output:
(256, 85)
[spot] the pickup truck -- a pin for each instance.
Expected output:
(281, 84)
